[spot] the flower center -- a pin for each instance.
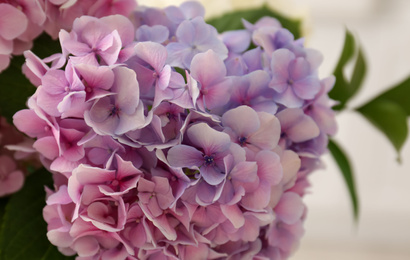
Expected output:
(209, 159)
(115, 111)
(242, 140)
(290, 82)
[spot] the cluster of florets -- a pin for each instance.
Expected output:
(169, 141)
(21, 21)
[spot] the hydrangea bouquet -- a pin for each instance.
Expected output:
(164, 138)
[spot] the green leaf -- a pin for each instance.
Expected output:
(14, 87)
(23, 232)
(346, 87)
(3, 203)
(398, 94)
(347, 173)
(233, 20)
(390, 118)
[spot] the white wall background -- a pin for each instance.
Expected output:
(383, 231)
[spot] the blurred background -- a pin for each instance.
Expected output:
(383, 29)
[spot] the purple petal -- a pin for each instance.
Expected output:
(184, 156)
(156, 33)
(288, 99)
(280, 62)
(210, 140)
(298, 69)
(307, 88)
(212, 175)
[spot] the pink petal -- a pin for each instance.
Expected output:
(153, 53)
(13, 22)
(268, 135)
(243, 120)
(211, 60)
(234, 215)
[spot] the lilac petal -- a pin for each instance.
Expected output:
(237, 41)
(234, 215)
(217, 95)
(192, 9)
(307, 88)
(245, 172)
(268, 134)
(205, 193)
(290, 208)
(164, 226)
(186, 32)
(122, 25)
(13, 22)
(264, 37)
(299, 69)
(127, 89)
(269, 167)
(184, 156)
(258, 83)
(131, 122)
(177, 53)
(73, 104)
(212, 175)
(298, 126)
(153, 53)
(325, 118)
(258, 199)
(209, 139)
(100, 111)
(210, 60)
(243, 120)
(279, 83)
(145, 186)
(101, 76)
(290, 164)
(288, 99)
(156, 33)
(110, 47)
(281, 59)
(163, 81)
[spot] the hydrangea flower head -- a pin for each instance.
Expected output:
(169, 141)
